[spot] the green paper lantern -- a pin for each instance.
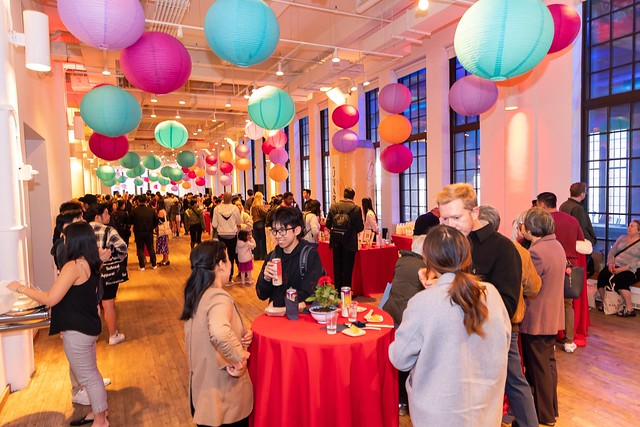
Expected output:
(130, 160)
(121, 179)
(502, 39)
(271, 108)
(153, 176)
(166, 171)
(106, 172)
(109, 182)
(131, 173)
(164, 181)
(152, 162)
(171, 134)
(139, 170)
(186, 159)
(176, 174)
(110, 110)
(138, 182)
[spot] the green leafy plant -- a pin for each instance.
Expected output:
(325, 294)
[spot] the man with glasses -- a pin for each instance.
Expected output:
(300, 263)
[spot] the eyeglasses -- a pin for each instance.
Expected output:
(281, 232)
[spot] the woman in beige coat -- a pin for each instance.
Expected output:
(221, 393)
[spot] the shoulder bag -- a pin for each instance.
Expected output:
(573, 281)
(113, 270)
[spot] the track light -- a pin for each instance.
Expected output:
(246, 93)
(154, 99)
(353, 86)
(199, 128)
(153, 114)
(335, 58)
(423, 4)
(279, 72)
(228, 104)
(214, 118)
(366, 81)
(177, 114)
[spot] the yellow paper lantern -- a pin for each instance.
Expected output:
(278, 173)
(394, 129)
(243, 164)
(186, 185)
(200, 172)
(226, 156)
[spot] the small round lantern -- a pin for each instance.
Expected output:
(152, 162)
(278, 156)
(200, 172)
(192, 174)
(121, 179)
(345, 116)
(186, 159)
(145, 179)
(271, 108)
(277, 138)
(171, 134)
(106, 172)
(176, 174)
(186, 185)
(345, 140)
(211, 159)
(278, 173)
(242, 150)
(566, 24)
(226, 180)
(185, 169)
(131, 173)
(225, 156)
(212, 170)
(110, 182)
(153, 176)
(472, 95)
(130, 160)
(396, 158)
(110, 110)
(108, 148)
(200, 182)
(138, 182)
(138, 170)
(253, 131)
(164, 181)
(243, 164)
(394, 98)
(226, 167)
(394, 129)
(166, 171)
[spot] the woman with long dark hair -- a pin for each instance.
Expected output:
(220, 389)
(311, 217)
(259, 215)
(370, 217)
(454, 338)
(74, 313)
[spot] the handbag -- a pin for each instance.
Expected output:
(164, 229)
(612, 302)
(113, 270)
(573, 281)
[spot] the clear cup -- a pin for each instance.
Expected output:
(352, 310)
(332, 322)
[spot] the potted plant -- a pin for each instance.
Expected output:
(325, 299)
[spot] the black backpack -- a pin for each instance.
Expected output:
(341, 227)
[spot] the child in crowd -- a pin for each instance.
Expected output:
(244, 249)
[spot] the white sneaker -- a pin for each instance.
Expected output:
(106, 381)
(155, 267)
(141, 268)
(81, 398)
(570, 347)
(116, 338)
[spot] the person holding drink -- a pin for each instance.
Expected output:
(294, 263)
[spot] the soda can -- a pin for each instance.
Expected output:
(345, 298)
(277, 281)
(292, 294)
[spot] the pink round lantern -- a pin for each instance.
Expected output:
(472, 95)
(174, 183)
(345, 140)
(226, 167)
(396, 158)
(211, 159)
(192, 174)
(267, 147)
(200, 182)
(277, 138)
(226, 180)
(345, 116)
(157, 63)
(242, 150)
(174, 188)
(394, 98)
(145, 179)
(108, 148)
(278, 156)
(566, 24)
(105, 24)
(253, 131)
(212, 170)
(155, 186)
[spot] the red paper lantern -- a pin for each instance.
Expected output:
(566, 23)
(192, 174)
(267, 147)
(396, 158)
(345, 140)
(472, 95)
(108, 148)
(345, 116)
(184, 169)
(200, 182)
(211, 159)
(394, 98)
(226, 167)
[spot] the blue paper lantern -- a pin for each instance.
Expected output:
(110, 110)
(186, 159)
(243, 32)
(171, 134)
(152, 162)
(271, 108)
(501, 39)
(106, 172)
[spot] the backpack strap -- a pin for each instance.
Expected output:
(304, 255)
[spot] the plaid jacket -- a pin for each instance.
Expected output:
(113, 240)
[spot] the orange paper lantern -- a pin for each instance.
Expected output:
(394, 129)
(278, 173)
(226, 156)
(200, 172)
(186, 185)
(243, 164)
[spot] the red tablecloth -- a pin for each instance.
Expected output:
(581, 310)
(372, 270)
(207, 222)
(304, 377)
(402, 242)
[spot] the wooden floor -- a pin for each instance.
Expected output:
(599, 385)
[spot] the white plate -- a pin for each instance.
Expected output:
(374, 318)
(361, 309)
(349, 332)
(275, 311)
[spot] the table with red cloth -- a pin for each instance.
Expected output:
(304, 377)
(581, 310)
(373, 267)
(207, 221)
(402, 242)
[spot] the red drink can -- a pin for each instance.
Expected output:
(277, 281)
(292, 294)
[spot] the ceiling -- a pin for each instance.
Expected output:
(370, 35)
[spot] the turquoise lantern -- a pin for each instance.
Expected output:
(186, 159)
(176, 174)
(153, 176)
(139, 170)
(501, 39)
(166, 171)
(243, 32)
(130, 160)
(106, 172)
(271, 108)
(138, 182)
(121, 179)
(110, 110)
(171, 134)
(131, 173)
(164, 181)
(109, 182)
(152, 162)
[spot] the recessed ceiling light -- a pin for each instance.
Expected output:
(181, 102)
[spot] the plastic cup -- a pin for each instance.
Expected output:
(352, 310)
(332, 322)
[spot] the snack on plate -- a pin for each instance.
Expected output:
(354, 329)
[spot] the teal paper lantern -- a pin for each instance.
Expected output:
(186, 159)
(110, 110)
(131, 173)
(109, 182)
(138, 182)
(176, 174)
(106, 172)
(271, 108)
(171, 134)
(152, 162)
(501, 39)
(153, 176)
(164, 181)
(121, 179)
(139, 170)
(243, 32)
(130, 160)
(166, 171)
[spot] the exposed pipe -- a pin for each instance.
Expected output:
(333, 11)
(363, 5)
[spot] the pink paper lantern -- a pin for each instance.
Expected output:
(108, 148)
(345, 140)
(145, 179)
(226, 167)
(212, 170)
(211, 159)
(396, 158)
(277, 138)
(345, 116)
(253, 131)
(155, 186)
(267, 147)
(200, 182)
(174, 182)
(226, 180)
(192, 174)
(174, 188)
(104, 24)
(278, 156)
(566, 23)
(472, 95)
(242, 150)
(394, 98)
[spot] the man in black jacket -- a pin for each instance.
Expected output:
(345, 222)
(144, 220)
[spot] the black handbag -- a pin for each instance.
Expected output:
(573, 281)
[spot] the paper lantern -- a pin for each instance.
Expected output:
(243, 32)
(200, 172)
(278, 173)
(345, 140)
(277, 138)
(394, 129)
(157, 63)
(153, 176)
(105, 24)
(110, 110)
(226, 167)
(121, 179)
(271, 107)
(106, 172)
(211, 159)
(394, 98)
(200, 182)
(110, 182)
(497, 42)
(212, 170)
(174, 188)
(226, 180)
(186, 185)
(136, 171)
(163, 181)
(130, 160)
(396, 158)
(152, 162)
(171, 134)
(253, 131)
(242, 150)
(566, 24)
(279, 156)
(267, 147)
(175, 174)
(138, 182)
(108, 148)
(225, 156)
(166, 171)
(145, 179)
(186, 159)
(472, 95)
(345, 116)
(192, 174)
(243, 164)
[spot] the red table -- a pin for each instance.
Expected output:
(402, 242)
(372, 270)
(304, 377)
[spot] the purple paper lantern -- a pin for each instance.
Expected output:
(394, 98)
(242, 150)
(105, 24)
(226, 180)
(108, 148)
(174, 188)
(566, 24)
(472, 95)
(345, 140)
(278, 156)
(157, 63)
(345, 116)
(396, 158)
